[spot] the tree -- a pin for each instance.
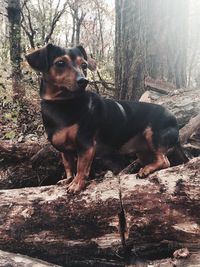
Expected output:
(97, 30)
(145, 46)
(14, 19)
(166, 47)
(39, 21)
(129, 50)
(78, 14)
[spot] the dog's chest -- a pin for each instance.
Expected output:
(65, 138)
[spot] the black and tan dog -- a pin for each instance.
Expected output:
(77, 121)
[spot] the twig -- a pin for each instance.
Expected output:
(104, 83)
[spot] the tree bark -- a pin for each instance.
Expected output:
(14, 17)
(29, 164)
(15, 152)
(144, 46)
(129, 50)
(108, 220)
(16, 260)
(184, 104)
(192, 127)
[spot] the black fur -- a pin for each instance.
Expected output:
(105, 118)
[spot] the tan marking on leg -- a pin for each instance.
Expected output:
(148, 134)
(83, 170)
(68, 165)
(161, 162)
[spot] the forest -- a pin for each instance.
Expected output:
(142, 51)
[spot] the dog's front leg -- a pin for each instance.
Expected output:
(68, 162)
(83, 169)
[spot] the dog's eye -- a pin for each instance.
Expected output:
(84, 66)
(60, 64)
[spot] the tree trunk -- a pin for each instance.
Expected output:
(73, 31)
(166, 47)
(14, 18)
(78, 31)
(129, 50)
(144, 45)
(112, 219)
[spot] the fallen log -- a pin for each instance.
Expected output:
(190, 128)
(183, 104)
(107, 221)
(192, 261)
(16, 260)
(35, 170)
(159, 86)
(11, 152)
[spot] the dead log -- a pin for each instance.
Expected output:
(159, 86)
(33, 170)
(183, 104)
(190, 128)
(11, 152)
(16, 260)
(192, 261)
(47, 221)
(112, 220)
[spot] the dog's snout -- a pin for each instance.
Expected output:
(82, 82)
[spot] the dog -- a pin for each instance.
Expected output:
(78, 122)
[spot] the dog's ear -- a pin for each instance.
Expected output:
(38, 59)
(82, 50)
(91, 62)
(92, 65)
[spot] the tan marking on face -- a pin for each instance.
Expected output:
(80, 60)
(65, 138)
(64, 58)
(65, 77)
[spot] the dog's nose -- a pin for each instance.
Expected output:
(82, 82)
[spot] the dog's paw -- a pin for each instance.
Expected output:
(143, 173)
(76, 186)
(65, 181)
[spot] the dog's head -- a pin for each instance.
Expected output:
(63, 68)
